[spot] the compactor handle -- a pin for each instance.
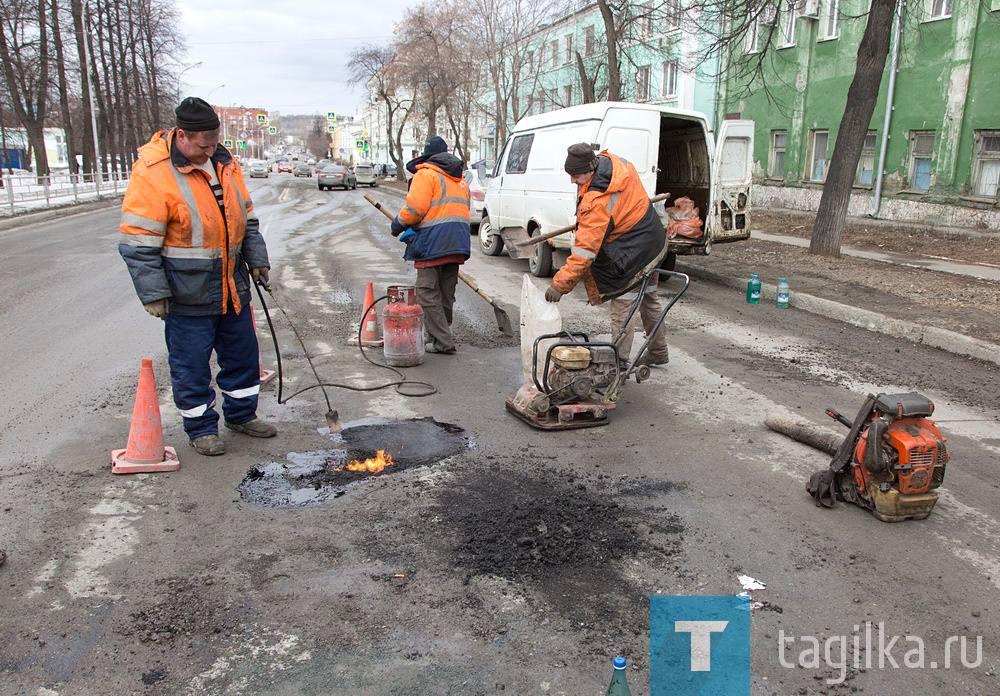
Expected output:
(837, 417)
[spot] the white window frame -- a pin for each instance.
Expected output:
(672, 14)
(568, 95)
(914, 156)
(642, 83)
(982, 158)
(775, 149)
(568, 48)
(867, 155)
(830, 20)
(554, 54)
(646, 19)
(789, 24)
(938, 9)
(589, 39)
(668, 80)
(813, 136)
(529, 62)
(753, 37)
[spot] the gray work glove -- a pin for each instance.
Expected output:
(157, 308)
(552, 295)
(261, 273)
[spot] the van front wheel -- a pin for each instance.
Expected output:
(540, 263)
(491, 244)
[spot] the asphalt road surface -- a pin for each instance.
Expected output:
(494, 558)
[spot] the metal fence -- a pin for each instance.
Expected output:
(24, 191)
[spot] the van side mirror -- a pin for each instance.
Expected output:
(481, 170)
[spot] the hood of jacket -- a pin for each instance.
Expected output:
(444, 162)
(607, 176)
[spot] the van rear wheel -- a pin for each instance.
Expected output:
(540, 263)
(491, 244)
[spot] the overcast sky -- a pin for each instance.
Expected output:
(284, 55)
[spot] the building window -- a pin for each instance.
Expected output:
(568, 42)
(528, 105)
(672, 14)
(642, 83)
(866, 165)
(820, 140)
(753, 37)
(921, 158)
(568, 95)
(830, 19)
(646, 19)
(554, 98)
(529, 62)
(778, 141)
(789, 20)
(986, 175)
(588, 41)
(670, 79)
(940, 9)
(554, 54)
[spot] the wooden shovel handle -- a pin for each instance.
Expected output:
(570, 228)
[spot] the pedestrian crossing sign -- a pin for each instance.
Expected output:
(261, 118)
(359, 144)
(240, 145)
(228, 144)
(331, 128)
(272, 129)
(331, 115)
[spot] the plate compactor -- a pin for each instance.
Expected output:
(890, 462)
(582, 380)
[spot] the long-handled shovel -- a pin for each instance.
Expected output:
(503, 319)
(519, 241)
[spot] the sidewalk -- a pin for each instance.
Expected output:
(946, 304)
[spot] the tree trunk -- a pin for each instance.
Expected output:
(67, 121)
(76, 7)
(861, 99)
(611, 36)
(586, 82)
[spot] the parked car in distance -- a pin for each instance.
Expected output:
(285, 167)
(390, 170)
(311, 160)
(365, 174)
(259, 169)
(302, 169)
(477, 194)
(335, 175)
(322, 163)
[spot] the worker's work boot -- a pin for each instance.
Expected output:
(655, 358)
(254, 428)
(209, 445)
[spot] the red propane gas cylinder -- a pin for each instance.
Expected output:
(403, 328)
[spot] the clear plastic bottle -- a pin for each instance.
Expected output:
(618, 685)
(753, 290)
(783, 292)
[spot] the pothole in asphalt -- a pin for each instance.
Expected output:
(370, 449)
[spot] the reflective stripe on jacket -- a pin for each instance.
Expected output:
(437, 209)
(618, 232)
(176, 241)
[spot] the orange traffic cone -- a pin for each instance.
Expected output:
(145, 452)
(265, 375)
(369, 324)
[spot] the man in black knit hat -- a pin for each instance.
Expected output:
(191, 242)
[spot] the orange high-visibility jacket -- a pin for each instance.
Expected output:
(618, 233)
(437, 209)
(176, 241)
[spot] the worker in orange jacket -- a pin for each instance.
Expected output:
(618, 237)
(434, 225)
(191, 242)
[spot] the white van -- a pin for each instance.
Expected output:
(673, 151)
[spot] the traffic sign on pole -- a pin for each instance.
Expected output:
(359, 144)
(331, 128)
(331, 115)
(261, 118)
(228, 144)
(272, 130)
(240, 145)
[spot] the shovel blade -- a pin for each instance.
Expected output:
(512, 236)
(333, 421)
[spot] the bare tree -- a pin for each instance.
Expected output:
(67, 120)
(376, 69)
(24, 51)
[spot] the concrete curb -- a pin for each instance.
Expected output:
(9, 223)
(942, 339)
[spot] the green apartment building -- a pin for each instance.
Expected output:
(941, 150)
(658, 58)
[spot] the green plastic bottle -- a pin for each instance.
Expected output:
(753, 290)
(618, 685)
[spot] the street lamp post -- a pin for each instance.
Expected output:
(209, 97)
(179, 76)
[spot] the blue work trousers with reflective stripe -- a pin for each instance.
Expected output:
(190, 342)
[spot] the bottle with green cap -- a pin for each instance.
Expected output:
(753, 290)
(618, 685)
(781, 300)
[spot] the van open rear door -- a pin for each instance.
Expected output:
(732, 167)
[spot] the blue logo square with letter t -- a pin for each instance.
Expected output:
(699, 646)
